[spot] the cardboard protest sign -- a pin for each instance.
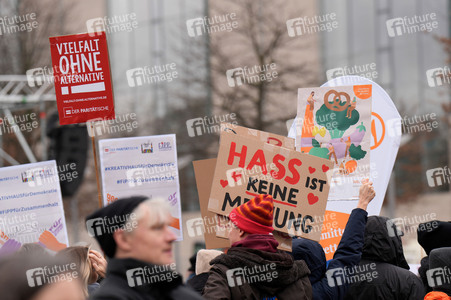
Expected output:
(263, 136)
(336, 126)
(385, 132)
(204, 171)
(145, 166)
(31, 207)
(81, 71)
(211, 224)
(298, 182)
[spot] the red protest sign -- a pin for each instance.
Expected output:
(81, 70)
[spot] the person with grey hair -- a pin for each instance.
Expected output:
(134, 233)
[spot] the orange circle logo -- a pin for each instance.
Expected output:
(378, 135)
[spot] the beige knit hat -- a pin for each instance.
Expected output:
(204, 257)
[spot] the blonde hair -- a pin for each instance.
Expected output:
(79, 256)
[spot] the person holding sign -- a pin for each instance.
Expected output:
(253, 268)
(348, 251)
(134, 233)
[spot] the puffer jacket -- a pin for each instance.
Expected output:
(248, 273)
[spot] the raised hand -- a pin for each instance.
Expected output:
(366, 194)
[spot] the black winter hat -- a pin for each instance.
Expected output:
(102, 223)
(441, 258)
(434, 234)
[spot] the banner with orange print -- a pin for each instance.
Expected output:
(31, 207)
(336, 126)
(385, 136)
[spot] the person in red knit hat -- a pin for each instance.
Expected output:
(253, 267)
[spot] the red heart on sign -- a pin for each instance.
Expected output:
(311, 170)
(224, 183)
(312, 199)
(325, 168)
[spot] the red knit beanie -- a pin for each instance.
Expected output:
(254, 216)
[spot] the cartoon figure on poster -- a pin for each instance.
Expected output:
(335, 127)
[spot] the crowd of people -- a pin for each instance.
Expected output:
(368, 263)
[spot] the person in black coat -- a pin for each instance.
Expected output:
(347, 254)
(391, 278)
(432, 235)
(135, 235)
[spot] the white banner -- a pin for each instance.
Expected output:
(31, 208)
(142, 166)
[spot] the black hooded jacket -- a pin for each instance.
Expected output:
(347, 255)
(390, 277)
(125, 281)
